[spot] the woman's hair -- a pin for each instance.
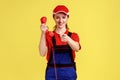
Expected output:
(65, 25)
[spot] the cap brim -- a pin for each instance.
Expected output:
(61, 12)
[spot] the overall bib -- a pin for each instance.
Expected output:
(65, 68)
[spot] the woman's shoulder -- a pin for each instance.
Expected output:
(75, 36)
(73, 33)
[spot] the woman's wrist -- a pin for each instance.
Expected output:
(69, 40)
(43, 32)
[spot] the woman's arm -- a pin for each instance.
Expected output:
(73, 44)
(42, 45)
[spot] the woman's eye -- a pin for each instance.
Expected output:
(57, 17)
(63, 17)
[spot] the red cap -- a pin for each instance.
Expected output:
(61, 8)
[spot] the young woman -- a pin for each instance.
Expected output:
(60, 47)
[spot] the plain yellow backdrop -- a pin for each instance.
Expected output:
(96, 21)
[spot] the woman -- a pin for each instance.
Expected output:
(60, 47)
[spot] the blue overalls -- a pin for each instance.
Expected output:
(65, 66)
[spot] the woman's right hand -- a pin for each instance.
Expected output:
(43, 28)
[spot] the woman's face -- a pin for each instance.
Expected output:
(60, 20)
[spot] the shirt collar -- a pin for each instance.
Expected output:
(66, 32)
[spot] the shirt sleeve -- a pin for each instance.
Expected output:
(47, 39)
(75, 37)
(48, 42)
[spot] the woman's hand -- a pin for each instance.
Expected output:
(43, 28)
(65, 38)
(73, 44)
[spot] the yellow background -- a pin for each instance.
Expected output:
(96, 21)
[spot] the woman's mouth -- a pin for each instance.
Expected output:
(60, 23)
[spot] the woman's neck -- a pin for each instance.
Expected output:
(60, 30)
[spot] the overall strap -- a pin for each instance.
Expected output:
(69, 34)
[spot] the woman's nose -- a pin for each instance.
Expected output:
(60, 20)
